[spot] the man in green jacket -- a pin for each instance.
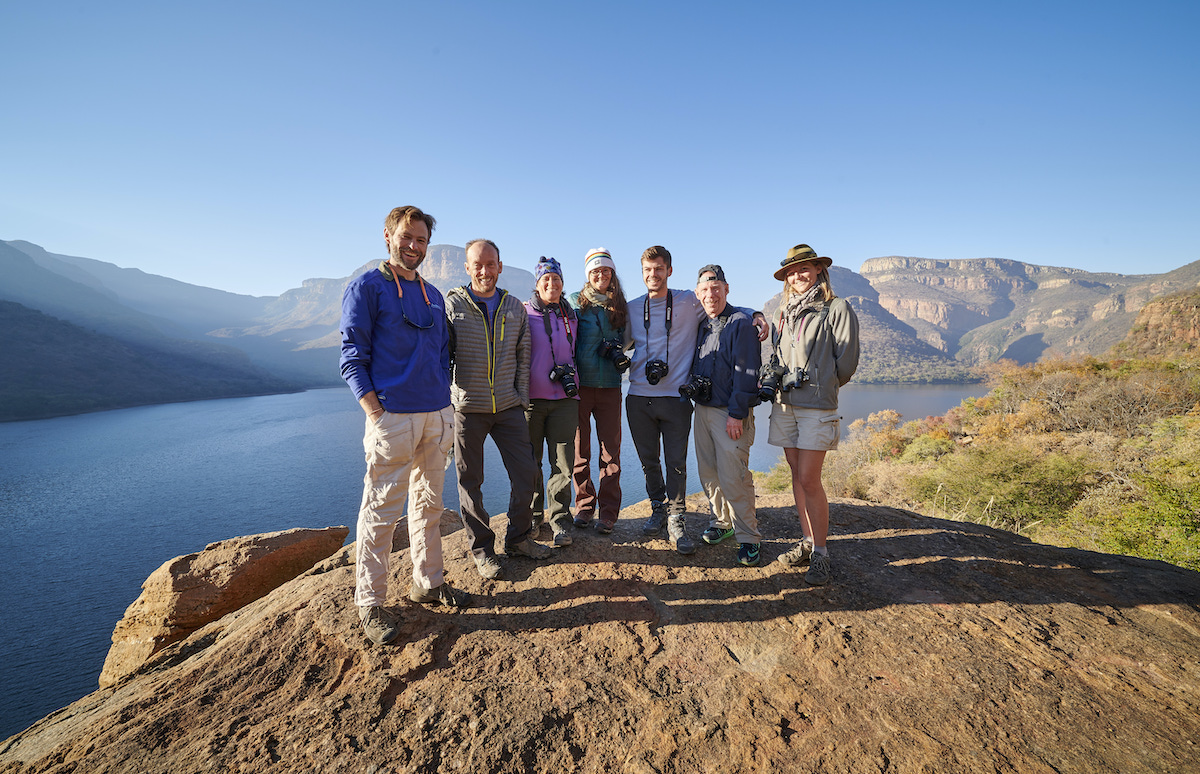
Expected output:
(490, 392)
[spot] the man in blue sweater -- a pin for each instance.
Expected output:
(396, 359)
(724, 384)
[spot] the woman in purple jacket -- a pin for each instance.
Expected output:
(553, 391)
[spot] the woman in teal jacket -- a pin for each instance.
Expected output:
(600, 357)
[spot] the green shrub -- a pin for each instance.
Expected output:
(926, 447)
(1007, 483)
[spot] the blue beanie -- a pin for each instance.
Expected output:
(546, 266)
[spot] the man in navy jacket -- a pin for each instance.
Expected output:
(725, 387)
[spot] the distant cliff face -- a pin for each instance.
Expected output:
(981, 310)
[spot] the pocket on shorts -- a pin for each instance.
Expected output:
(830, 430)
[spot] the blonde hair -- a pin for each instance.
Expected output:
(822, 280)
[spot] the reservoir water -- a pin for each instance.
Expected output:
(90, 505)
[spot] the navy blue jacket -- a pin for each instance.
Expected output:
(728, 353)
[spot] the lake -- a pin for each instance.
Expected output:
(90, 505)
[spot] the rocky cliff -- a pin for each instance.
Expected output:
(1167, 327)
(939, 646)
(981, 310)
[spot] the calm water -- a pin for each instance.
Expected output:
(91, 505)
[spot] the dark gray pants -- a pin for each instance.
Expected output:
(510, 432)
(662, 423)
(552, 425)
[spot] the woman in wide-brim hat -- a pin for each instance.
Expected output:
(814, 343)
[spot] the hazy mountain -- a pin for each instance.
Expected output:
(294, 335)
(194, 308)
(49, 367)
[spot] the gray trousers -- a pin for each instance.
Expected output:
(662, 423)
(552, 426)
(510, 432)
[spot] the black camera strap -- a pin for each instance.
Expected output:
(646, 322)
(550, 328)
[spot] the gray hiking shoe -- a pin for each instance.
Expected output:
(677, 532)
(441, 595)
(799, 555)
(562, 538)
(380, 625)
(653, 526)
(488, 566)
(528, 548)
(818, 570)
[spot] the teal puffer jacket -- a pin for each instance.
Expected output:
(594, 327)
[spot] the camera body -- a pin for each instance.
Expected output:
(779, 378)
(655, 371)
(611, 349)
(564, 374)
(768, 388)
(698, 389)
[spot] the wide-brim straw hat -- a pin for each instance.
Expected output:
(801, 254)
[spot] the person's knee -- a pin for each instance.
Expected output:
(812, 486)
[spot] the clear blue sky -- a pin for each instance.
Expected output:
(250, 145)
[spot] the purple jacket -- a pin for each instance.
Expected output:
(550, 350)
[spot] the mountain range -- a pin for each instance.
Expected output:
(82, 335)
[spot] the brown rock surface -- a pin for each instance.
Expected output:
(190, 591)
(939, 646)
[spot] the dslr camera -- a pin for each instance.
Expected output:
(772, 374)
(564, 374)
(698, 389)
(655, 371)
(611, 349)
(779, 378)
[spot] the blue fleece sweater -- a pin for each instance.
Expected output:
(407, 367)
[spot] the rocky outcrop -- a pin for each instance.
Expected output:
(1167, 327)
(939, 646)
(190, 591)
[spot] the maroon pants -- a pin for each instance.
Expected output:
(605, 404)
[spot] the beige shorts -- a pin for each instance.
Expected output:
(801, 428)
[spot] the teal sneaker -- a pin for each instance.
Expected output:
(714, 535)
(747, 554)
